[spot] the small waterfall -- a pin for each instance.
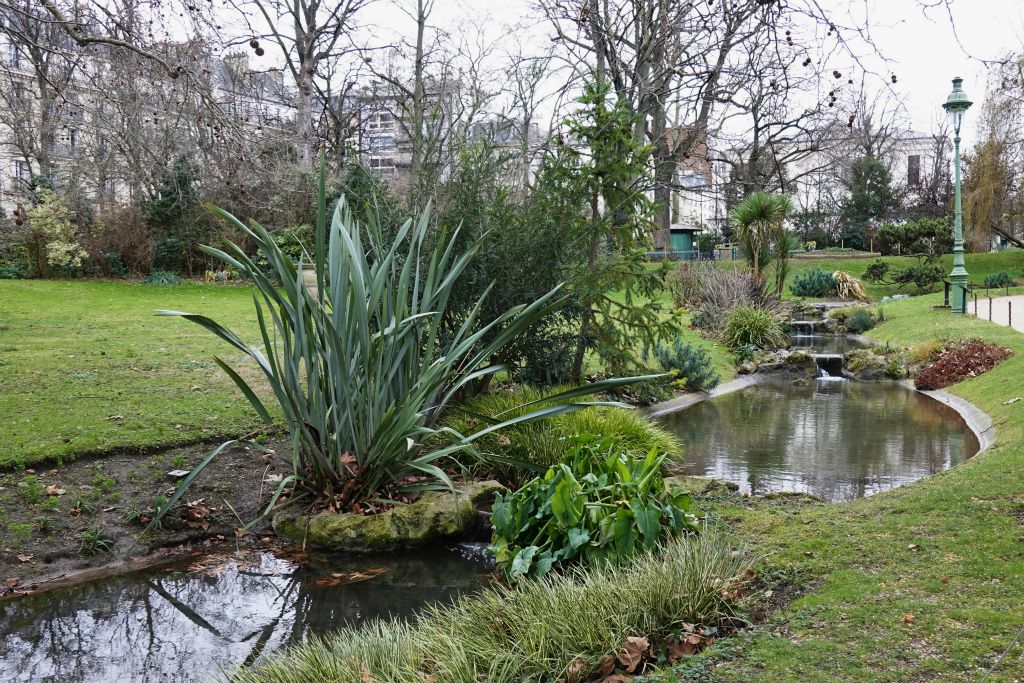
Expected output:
(830, 365)
(805, 328)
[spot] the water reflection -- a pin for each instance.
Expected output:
(186, 625)
(837, 440)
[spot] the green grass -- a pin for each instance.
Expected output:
(948, 550)
(978, 265)
(86, 366)
(544, 442)
(531, 633)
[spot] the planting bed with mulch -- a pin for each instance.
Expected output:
(961, 361)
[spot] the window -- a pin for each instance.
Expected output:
(13, 56)
(914, 169)
(22, 171)
(382, 164)
(379, 142)
(380, 121)
(72, 138)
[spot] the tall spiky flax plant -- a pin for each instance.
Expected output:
(359, 366)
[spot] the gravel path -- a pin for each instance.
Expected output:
(1001, 309)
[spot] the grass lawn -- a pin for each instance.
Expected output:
(85, 366)
(919, 583)
(978, 265)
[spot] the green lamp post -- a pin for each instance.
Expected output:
(956, 106)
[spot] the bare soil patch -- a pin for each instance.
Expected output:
(86, 517)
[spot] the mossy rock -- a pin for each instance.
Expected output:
(798, 360)
(699, 485)
(435, 516)
(873, 365)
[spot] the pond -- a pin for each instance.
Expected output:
(836, 439)
(187, 622)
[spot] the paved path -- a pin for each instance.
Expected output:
(1001, 307)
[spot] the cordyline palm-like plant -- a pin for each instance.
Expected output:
(759, 223)
(360, 368)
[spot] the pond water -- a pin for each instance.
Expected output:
(836, 439)
(188, 622)
(825, 343)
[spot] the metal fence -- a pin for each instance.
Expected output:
(672, 255)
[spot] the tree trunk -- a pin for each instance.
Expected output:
(416, 170)
(304, 114)
(587, 318)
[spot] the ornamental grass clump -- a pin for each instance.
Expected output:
(359, 366)
(520, 452)
(749, 326)
(572, 623)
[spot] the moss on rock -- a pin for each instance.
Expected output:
(434, 516)
(876, 363)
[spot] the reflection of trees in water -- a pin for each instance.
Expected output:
(839, 440)
(183, 627)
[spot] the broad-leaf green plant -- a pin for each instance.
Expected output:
(357, 363)
(597, 505)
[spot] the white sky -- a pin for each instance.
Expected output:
(919, 46)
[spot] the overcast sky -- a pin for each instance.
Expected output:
(925, 49)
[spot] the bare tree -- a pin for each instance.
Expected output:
(312, 35)
(36, 103)
(994, 182)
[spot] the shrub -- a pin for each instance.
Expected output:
(534, 631)
(743, 354)
(113, 264)
(702, 320)
(519, 452)
(860, 321)
(924, 274)
(814, 282)
(52, 223)
(162, 277)
(999, 280)
(747, 325)
(360, 370)
(690, 362)
(857, 319)
(12, 271)
(598, 505)
(876, 271)
(710, 291)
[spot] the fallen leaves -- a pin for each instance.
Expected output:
(633, 653)
(24, 558)
(195, 515)
(908, 619)
(959, 362)
(339, 579)
(54, 490)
